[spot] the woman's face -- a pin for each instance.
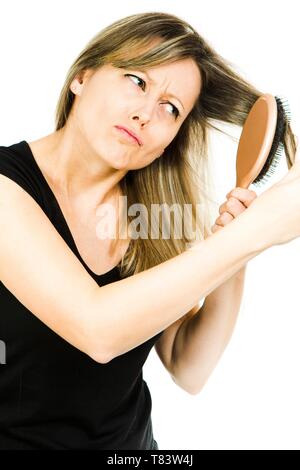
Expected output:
(152, 104)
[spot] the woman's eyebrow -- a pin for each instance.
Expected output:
(153, 81)
(173, 96)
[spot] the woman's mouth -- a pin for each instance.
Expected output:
(130, 136)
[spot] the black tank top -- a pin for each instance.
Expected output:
(52, 395)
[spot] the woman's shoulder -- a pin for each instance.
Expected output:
(17, 163)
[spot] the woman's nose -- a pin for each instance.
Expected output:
(145, 113)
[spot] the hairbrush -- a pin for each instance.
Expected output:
(261, 142)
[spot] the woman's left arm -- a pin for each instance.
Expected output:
(202, 338)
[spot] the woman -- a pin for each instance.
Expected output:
(80, 308)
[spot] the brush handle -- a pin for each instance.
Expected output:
(256, 140)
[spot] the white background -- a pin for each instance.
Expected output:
(251, 400)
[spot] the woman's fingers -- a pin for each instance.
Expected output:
(245, 196)
(233, 206)
(237, 201)
(216, 227)
(224, 219)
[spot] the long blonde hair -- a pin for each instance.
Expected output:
(181, 176)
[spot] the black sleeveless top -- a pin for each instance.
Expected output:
(53, 396)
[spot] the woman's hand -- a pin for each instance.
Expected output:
(274, 213)
(237, 201)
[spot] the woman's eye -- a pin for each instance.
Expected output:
(142, 84)
(138, 80)
(174, 109)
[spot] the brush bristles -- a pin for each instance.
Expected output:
(277, 149)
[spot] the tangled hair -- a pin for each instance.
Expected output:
(181, 176)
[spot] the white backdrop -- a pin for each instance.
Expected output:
(251, 400)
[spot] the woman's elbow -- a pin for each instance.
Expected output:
(100, 356)
(191, 390)
(98, 349)
(101, 359)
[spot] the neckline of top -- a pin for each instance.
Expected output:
(30, 153)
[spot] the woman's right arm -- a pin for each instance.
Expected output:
(39, 268)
